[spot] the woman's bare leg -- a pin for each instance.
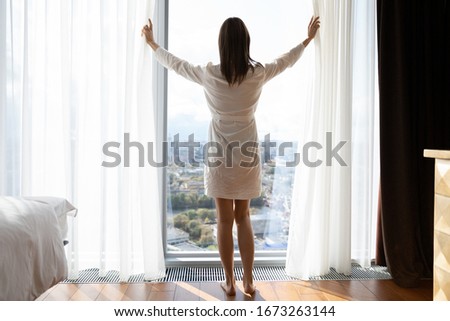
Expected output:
(225, 219)
(246, 242)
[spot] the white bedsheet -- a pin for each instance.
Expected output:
(32, 255)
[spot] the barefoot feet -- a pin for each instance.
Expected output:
(230, 287)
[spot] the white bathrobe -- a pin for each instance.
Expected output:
(233, 167)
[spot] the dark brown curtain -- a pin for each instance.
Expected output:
(414, 80)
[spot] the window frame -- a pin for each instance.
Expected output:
(185, 258)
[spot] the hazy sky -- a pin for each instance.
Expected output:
(275, 27)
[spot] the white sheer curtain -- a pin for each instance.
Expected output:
(365, 132)
(74, 76)
(332, 204)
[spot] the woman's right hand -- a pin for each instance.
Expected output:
(314, 25)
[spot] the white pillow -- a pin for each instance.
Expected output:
(62, 209)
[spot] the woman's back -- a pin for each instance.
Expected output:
(234, 100)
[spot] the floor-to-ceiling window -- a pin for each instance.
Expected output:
(275, 27)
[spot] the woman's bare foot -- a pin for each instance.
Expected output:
(249, 288)
(230, 289)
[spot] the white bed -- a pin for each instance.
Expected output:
(32, 254)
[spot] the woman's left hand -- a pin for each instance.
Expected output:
(147, 31)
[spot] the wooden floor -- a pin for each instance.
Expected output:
(366, 290)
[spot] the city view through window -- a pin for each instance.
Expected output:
(191, 216)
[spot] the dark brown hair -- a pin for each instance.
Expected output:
(234, 49)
